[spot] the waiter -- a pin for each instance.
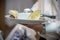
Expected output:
(50, 8)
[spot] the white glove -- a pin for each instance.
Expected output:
(52, 27)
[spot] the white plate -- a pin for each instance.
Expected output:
(24, 21)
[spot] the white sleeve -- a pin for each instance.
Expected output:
(35, 6)
(39, 5)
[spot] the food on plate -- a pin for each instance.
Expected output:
(13, 13)
(41, 18)
(12, 16)
(35, 15)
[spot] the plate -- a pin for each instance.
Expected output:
(24, 21)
